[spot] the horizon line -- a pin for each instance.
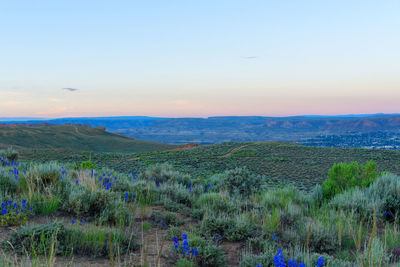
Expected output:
(199, 117)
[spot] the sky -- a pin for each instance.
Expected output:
(198, 58)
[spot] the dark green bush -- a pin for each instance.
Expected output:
(88, 165)
(344, 176)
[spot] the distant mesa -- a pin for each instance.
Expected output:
(187, 146)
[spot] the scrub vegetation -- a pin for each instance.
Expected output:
(80, 211)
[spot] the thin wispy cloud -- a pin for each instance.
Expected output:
(70, 89)
(250, 57)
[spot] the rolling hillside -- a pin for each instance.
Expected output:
(282, 163)
(73, 137)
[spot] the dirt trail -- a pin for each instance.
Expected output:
(233, 151)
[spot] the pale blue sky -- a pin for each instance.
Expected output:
(199, 58)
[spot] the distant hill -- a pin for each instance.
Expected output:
(244, 129)
(74, 137)
(239, 128)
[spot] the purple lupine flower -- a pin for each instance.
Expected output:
(292, 263)
(320, 262)
(274, 236)
(194, 252)
(176, 242)
(279, 260)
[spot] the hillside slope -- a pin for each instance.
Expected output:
(74, 137)
(282, 163)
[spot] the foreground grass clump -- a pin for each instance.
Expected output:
(57, 239)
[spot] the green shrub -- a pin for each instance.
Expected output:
(208, 255)
(241, 182)
(251, 260)
(354, 200)
(384, 193)
(38, 239)
(160, 173)
(176, 207)
(41, 178)
(45, 204)
(88, 165)
(179, 195)
(215, 202)
(257, 245)
(49, 176)
(317, 197)
(344, 176)
(8, 183)
(164, 219)
(322, 239)
(229, 228)
(91, 241)
(145, 192)
(376, 255)
(281, 197)
(96, 241)
(173, 231)
(185, 263)
(10, 154)
(197, 213)
(12, 219)
(104, 205)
